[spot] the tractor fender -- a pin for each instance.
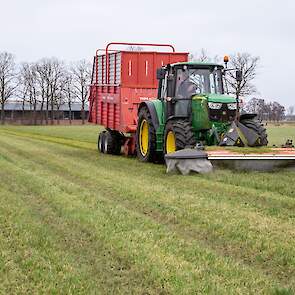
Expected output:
(152, 110)
(245, 116)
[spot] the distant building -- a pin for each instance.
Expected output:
(19, 112)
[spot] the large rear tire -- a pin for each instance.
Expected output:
(145, 137)
(259, 128)
(178, 135)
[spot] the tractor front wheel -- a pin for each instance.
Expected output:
(145, 137)
(178, 135)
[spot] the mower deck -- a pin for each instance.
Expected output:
(278, 158)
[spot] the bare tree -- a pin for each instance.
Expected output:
(31, 92)
(277, 111)
(59, 100)
(68, 92)
(57, 71)
(247, 64)
(42, 69)
(201, 57)
(81, 73)
(257, 106)
(270, 111)
(134, 48)
(8, 81)
(50, 76)
(23, 89)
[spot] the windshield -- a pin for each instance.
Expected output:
(198, 81)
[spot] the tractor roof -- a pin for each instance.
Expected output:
(197, 63)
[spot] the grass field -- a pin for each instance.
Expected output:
(73, 221)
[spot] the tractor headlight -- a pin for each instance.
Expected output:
(214, 105)
(232, 106)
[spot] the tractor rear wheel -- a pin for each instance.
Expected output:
(112, 142)
(258, 127)
(145, 137)
(178, 135)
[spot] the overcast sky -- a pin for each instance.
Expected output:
(73, 29)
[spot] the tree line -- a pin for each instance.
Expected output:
(267, 111)
(45, 85)
(49, 83)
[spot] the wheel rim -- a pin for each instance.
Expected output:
(144, 137)
(170, 142)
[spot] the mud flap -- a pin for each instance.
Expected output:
(188, 160)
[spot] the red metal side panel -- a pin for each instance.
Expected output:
(146, 73)
(130, 100)
(178, 57)
(138, 69)
(105, 107)
(115, 107)
(129, 69)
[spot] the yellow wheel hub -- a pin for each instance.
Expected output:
(144, 137)
(170, 143)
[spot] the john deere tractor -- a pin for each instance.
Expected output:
(192, 109)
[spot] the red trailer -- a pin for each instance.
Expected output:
(121, 80)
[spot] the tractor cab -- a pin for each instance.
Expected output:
(182, 83)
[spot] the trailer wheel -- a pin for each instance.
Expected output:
(145, 137)
(259, 128)
(112, 142)
(100, 141)
(178, 135)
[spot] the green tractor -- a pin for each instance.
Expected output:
(192, 109)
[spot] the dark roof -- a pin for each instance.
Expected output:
(18, 106)
(198, 63)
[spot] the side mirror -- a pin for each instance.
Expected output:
(161, 73)
(239, 76)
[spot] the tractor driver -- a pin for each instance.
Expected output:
(185, 87)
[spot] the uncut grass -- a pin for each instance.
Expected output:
(167, 208)
(278, 135)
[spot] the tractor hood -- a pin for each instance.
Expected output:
(220, 98)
